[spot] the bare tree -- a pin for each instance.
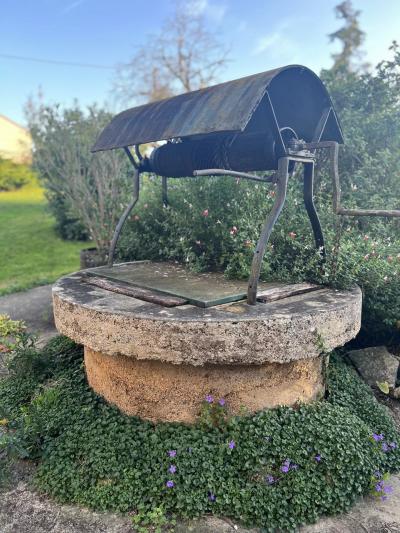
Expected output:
(183, 56)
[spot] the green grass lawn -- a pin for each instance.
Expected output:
(31, 253)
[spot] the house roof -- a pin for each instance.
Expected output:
(3, 117)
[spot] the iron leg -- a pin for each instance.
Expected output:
(124, 216)
(282, 181)
(308, 195)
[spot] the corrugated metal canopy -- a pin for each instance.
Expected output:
(226, 107)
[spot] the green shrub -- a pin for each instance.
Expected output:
(225, 238)
(275, 469)
(14, 175)
(85, 191)
(67, 223)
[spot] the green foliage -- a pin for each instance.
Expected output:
(85, 191)
(214, 223)
(213, 414)
(10, 328)
(154, 520)
(67, 224)
(14, 175)
(91, 454)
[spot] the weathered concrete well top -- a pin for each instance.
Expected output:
(234, 333)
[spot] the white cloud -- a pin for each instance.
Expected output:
(73, 5)
(277, 40)
(212, 10)
(266, 42)
(197, 7)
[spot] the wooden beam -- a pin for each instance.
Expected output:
(134, 292)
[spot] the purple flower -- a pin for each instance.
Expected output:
(318, 458)
(170, 484)
(378, 486)
(294, 467)
(232, 444)
(211, 497)
(286, 466)
(388, 489)
(172, 453)
(383, 498)
(270, 479)
(393, 445)
(377, 437)
(385, 447)
(221, 402)
(377, 474)
(209, 398)
(172, 469)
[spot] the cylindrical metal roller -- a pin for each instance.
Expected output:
(254, 151)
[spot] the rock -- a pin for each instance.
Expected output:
(395, 393)
(375, 364)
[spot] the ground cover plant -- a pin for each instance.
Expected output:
(32, 254)
(275, 469)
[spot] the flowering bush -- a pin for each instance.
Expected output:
(226, 237)
(275, 469)
(215, 223)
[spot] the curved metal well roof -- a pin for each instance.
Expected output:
(226, 107)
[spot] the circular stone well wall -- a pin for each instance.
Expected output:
(159, 363)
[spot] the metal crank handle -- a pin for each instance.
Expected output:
(233, 173)
(338, 209)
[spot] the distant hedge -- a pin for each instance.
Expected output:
(13, 175)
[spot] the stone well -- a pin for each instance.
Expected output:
(159, 363)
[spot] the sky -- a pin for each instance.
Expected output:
(261, 35)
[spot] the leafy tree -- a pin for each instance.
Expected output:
(350, 35)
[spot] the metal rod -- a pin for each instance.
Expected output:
(319, 130)
(137, 152)
(164, 185)
(131, 158)
(124, 216)
(308, 195)
(282, 181)
(233, 173)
